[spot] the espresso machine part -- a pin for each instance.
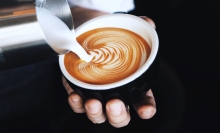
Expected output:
(21, 39)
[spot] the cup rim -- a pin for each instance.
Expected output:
(139, 72)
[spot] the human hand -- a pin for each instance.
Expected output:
(116, 111)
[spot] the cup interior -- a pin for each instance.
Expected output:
(125, 21)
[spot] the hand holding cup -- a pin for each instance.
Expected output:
(116, 111)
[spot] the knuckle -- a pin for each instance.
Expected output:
(97, 119)
(147, 113)
(119, 124)
(78, 110)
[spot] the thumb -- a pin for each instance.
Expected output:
(67, 86)
(149, 20)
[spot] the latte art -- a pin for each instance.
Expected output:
(118, 53)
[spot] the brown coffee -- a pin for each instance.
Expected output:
(118, 53)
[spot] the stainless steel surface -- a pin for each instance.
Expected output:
(23, 0)
(21, 38)
(19, 25)
(57, 34)
(18, 29)
(59, 8)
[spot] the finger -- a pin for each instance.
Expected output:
(117, 114)
(76, 103)
(94, 111)
(150, 21)
(67, 86)
(146, 108)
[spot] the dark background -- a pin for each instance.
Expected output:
(186, 90)
(189, 35)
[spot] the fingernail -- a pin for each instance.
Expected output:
(75, 100)
(153, 25)
(93, 109)
(148, 113)
(115, 109)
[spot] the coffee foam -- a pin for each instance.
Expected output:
(117, 52)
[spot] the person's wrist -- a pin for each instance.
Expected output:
(81, 15)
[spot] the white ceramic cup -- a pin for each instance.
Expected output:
(125, 21)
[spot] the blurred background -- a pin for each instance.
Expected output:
(186, 89)
(189, 35)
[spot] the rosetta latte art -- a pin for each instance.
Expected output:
(118, 53)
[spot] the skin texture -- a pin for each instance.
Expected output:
(116, 112)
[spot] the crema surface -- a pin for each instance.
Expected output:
(118, 53)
